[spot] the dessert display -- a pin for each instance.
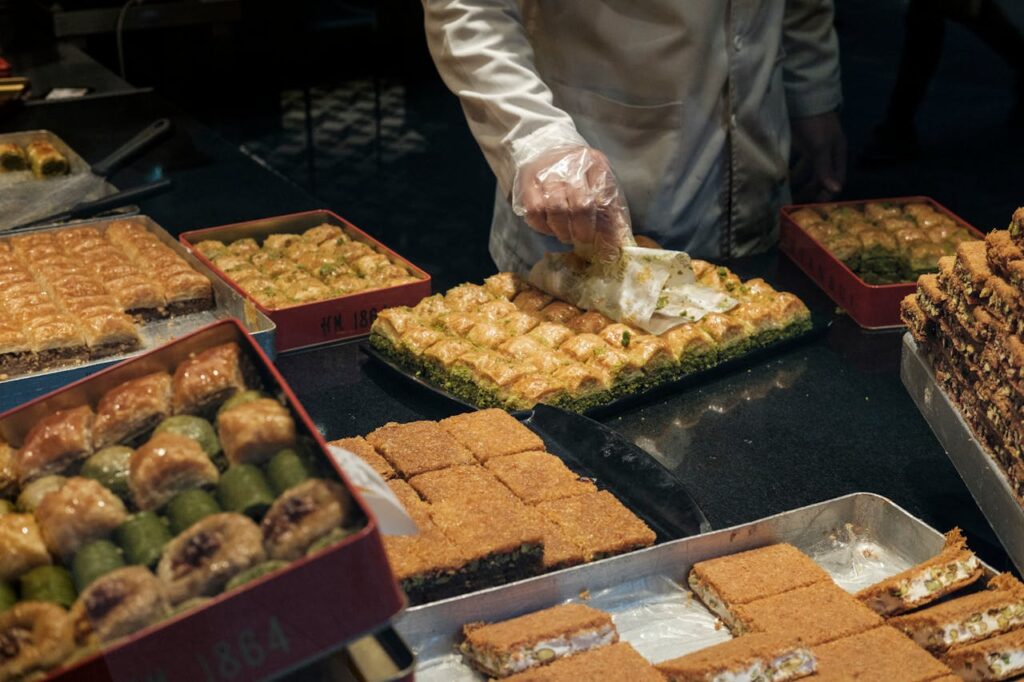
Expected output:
(884, 242)
(39, 156)
(788, 617)
(967, 321)
(78, 294)
(289, 269)
(491, 506)
(507, 344)
(171, 488)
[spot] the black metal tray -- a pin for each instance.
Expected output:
(821, 320)
(640, 482)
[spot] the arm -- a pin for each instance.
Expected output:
(810, 75)
(555, 181)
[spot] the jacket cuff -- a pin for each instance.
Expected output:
(820, 100)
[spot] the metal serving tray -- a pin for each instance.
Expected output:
(978, 468)
(228, 303)
(18, 188)
(266, 627)
(859, 539)
(872, 306)
(324, 321)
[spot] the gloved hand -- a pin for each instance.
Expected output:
(570, 192)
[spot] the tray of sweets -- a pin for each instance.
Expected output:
(857, 539)
(316, 275)
(567, 490)
(144, 314)
(179, 549)
(867, 254)
(975, 463)
(506, 344)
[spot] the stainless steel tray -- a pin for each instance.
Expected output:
(859, 539)
(228, 303)
(977, 467)
(21, 188)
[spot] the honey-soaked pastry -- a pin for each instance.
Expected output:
(302, 515)
(23, 545)
(132, 409)
(46, 160)
(34, 637)
(117, 604)
(80, 511)
(200, 561)
(12, 158)
(54, 443)
(8, 478)
(168, 463)
(208, 379)
(471, 342)
(252, 432)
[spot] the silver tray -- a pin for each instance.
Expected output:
(228, 303)
(977, 467)
(22, 188)
(859, 539)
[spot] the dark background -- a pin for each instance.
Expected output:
(390, 148)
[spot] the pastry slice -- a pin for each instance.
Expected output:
(46, 160)
(996, 658)
(536, 639)
(167, 464)
(881, 654)
(952, 569)
(417, 447)
(365, 452)
(728, 582)
(491, 433)
(132, 409)
(12, 158)
(819, 613)
(974, 617)
(208, 378)
(538, 476)
(618, 661)
(465, 483)
(254, 431)
(55, 443)
(599, 523)
(765, 657)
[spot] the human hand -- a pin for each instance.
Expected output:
(821, 171)
(571, 193)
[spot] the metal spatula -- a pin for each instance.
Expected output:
(30, 202)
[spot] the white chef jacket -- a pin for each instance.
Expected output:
(689, 99)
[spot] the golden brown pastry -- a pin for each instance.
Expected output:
(12, 158)
(252, 432)
(46, 160)
(167, 464)
(54, 443)
(78, 513)
(132, 409)
(117, 604)
(207, 379)
(302, 515)
(8, 479)
(23, 546)
(201, 560)
(35, 637)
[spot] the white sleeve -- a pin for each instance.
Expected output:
(810, 70)
(482, 51)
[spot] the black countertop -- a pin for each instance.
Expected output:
(824, 419)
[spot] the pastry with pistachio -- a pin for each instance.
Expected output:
(536, 639)
(291, 269)
(507, 344)
(951, 569)
(970, 618)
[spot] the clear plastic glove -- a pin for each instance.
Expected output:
(570, 193)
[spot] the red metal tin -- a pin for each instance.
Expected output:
(873, 306)
(265, 627)
(321, 321)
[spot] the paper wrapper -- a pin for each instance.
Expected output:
(392, 519)
(652, 289)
